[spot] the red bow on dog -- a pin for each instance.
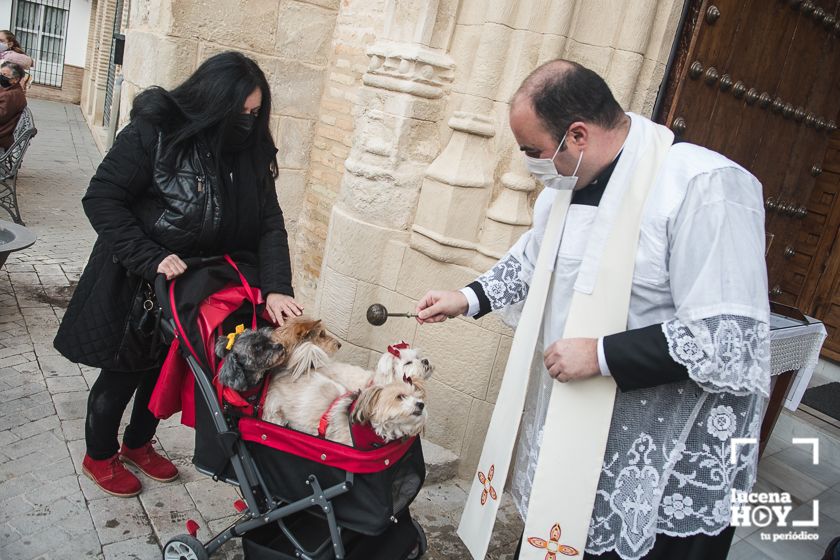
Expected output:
(394, 349)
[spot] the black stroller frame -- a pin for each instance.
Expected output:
(262, 507)
(250, 480)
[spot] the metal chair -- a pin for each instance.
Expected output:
(10, 162)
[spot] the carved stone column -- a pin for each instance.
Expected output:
(396, 136)
(539, 39)
(507, 218)
(458, 184)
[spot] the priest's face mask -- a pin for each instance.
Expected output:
(545, 170)
(536, 143)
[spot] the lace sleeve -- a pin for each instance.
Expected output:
(724, 353)
(503, 284)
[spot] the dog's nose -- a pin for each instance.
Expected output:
(339, 344)
(421, 405)
(425, 362)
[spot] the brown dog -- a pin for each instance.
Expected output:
(312, 384)
(305, 329)
(308, 347)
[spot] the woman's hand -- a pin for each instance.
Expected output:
(280, 306)
(172, 266)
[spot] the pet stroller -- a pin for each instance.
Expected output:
(303, 497)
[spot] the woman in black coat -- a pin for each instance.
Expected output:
(191, 175)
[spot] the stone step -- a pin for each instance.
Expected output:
(800, 424)
(825, 372)
(441, 464)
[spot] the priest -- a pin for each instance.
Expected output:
(689, 358)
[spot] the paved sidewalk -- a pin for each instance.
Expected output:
(48, 510)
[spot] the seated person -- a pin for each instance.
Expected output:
(12, 102)
(12, 51)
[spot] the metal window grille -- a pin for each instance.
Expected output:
(41, 29)
(112, 67)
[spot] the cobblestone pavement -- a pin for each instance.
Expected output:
(48, 509)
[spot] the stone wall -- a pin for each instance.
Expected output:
(330, 137)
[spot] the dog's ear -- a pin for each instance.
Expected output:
(311, 329)
(386, 367)
(420, 385)
(366, 404)
(221, 346)
(232, 374)
(298, 328)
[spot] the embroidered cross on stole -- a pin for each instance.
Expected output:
(579, 413)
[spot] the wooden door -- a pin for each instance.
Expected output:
(825, 201)
(759, 81)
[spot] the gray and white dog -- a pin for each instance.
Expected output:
(253, 354)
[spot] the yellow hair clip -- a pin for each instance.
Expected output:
(232, 336)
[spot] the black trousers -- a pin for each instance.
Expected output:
(106, 403)
(696, 547)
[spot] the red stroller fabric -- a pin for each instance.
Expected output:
(174, 390)
(211, 299)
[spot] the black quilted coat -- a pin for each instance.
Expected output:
(142, 211)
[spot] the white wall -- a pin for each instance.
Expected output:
(5, 14)
(78, 26)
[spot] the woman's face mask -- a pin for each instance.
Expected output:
(546, 172)
(240, 129)
(3, 47)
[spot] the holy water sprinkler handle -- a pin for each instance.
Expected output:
(377, 314)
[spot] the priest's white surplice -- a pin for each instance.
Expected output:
(699, 270)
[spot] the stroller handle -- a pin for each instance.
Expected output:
(191, 262)
(161, 284)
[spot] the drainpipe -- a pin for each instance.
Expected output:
(115, 111)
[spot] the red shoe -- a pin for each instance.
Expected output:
(150, 462)
(110, 475)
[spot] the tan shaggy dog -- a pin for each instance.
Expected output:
(395, 410)
(312, 383)
(291, 390)
(299, 400)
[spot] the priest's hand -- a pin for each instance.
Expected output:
(438, 305)
(569, 359)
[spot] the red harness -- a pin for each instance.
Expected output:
(324, 423)
(363, 436)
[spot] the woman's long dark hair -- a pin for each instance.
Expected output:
(205, 105)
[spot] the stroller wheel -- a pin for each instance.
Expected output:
(184, 547)
(422, 545)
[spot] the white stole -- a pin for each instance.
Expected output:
(579, 414)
